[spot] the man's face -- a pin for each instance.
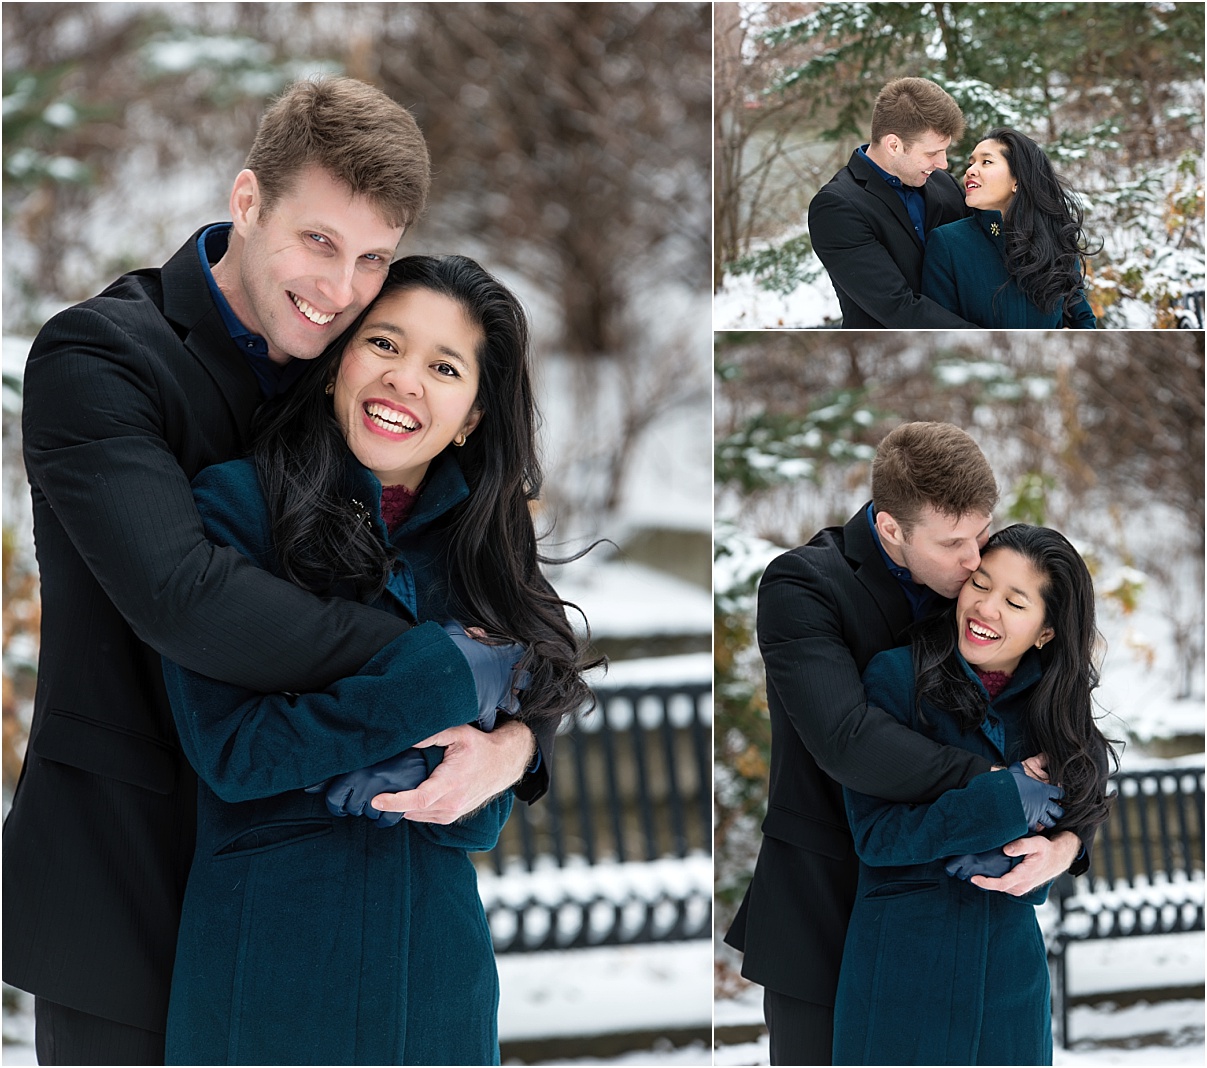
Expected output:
(915, 163)
(940, 552)
(309, 266)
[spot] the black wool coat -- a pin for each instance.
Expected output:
(862, 233)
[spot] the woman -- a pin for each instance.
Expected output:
(936, 970)
(1019, 259)
(308, 939)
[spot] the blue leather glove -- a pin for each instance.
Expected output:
(350, 794)
(493, 668)
(1038, 798)
(993, 863)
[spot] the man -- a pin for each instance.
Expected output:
(868, 224)
(824, 610)
(127, 397)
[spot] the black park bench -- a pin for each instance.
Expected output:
(1146, 874)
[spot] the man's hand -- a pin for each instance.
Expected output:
(476, 767)
(1037, 766)
(1042, 860)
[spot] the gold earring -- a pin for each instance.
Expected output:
(330, 388)
(459, 440)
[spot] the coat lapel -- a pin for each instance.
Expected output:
(944, 200)
(860, 549)
(189, 306)
(877, 187)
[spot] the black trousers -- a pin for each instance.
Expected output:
(67, 1036)
(801, 1032)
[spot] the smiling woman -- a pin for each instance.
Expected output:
(1019, 259)
(936, 970)
(398, 472)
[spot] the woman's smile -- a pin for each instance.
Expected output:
(979, 634)
(387, 419)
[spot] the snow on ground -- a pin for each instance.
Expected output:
(741, 304)
(586, 992)
(625, 599)
(1173, 1033)
(1143, 1033)
(605, 990)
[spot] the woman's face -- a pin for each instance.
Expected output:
(407, 384)
(988, 181)
(1000, 612)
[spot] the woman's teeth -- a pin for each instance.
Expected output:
(388, 419)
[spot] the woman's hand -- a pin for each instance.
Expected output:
(1038, 799)
(493, 668)
(350, 794)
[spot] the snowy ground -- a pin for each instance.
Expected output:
(741, 304)
(1129, 1031)
(583, 993)
(640, 988)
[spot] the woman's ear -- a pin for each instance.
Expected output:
(471, 421)
(1045, 636)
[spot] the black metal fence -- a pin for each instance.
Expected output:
(619, 849)
(1146, 876)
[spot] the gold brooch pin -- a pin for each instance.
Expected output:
(995, 229)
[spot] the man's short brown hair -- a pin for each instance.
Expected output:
(356, 133)
(909, 107)
(936, 464)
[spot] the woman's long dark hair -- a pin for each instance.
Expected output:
(325, 546)
(1046, 247)
(1060, 715)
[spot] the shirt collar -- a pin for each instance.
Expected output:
(891, 179)
(922, 599)
(901, 574)
(211, 247)
(273, 378)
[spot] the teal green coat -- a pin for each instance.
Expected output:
(965, 271)
(935, 970)
(312, 939)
